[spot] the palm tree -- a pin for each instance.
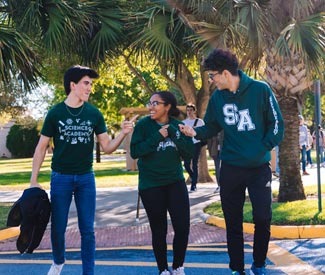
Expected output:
(19, 63)
(89, 29)
(45, 30)
(289, 37)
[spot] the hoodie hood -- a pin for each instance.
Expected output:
(245, 82)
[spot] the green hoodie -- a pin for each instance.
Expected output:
(251, 120)
(160, 159)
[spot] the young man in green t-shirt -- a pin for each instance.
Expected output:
(72, 125)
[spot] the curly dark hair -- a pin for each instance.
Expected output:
(220, 60)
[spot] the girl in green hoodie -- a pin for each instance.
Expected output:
(159, 147)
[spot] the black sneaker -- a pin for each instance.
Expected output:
(193, 189)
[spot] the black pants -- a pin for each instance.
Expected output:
(157, 201)
(233, 184)
(191, 165)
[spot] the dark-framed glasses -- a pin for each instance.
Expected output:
(212, 75)
(154, 103)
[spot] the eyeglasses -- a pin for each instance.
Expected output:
(212, 75)
(154, 103)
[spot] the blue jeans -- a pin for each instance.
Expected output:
(308, 157)
(303, 157)
(321, 153)
(83, 188)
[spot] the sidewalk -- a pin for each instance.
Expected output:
(116, 224)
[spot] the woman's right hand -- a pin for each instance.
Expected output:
(163, 130)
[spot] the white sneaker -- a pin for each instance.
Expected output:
(165, 272)
(55, 269)
(179, 271)
(217, 190)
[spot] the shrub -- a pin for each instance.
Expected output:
(23, 138)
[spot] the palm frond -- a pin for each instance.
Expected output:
(156, 40)
(252, 15)
(302, 8)
(105, 23)
(307, 38)
(160, 31)
(18, 59)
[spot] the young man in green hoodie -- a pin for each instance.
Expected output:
(248, 112)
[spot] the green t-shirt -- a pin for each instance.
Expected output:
(159, 158)
(73, 131)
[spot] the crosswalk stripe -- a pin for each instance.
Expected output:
(289, 263)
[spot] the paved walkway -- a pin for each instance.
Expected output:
(118, 230)
(117, 224)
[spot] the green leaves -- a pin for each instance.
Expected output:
(307, 38)
(18, 60)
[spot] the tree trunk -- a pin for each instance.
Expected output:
(203, 173)
(288, 79)
(186, 83)
(291, 187)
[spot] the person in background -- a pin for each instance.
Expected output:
(191, 165)
(72, 125)
(321, 136)
(303, 143)
(308, 152)
(247, 111)
(159, 147)
(277, 166)
(214, 148)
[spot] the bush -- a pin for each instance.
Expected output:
(23, 138)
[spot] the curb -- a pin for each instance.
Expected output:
(280, 232)
(277, 231)
(9, 233)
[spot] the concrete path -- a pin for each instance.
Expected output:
(124, 243)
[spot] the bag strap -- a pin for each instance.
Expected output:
(195, 122)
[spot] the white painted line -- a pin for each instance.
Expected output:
(289, 263)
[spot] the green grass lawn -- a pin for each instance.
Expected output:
(15, 174)
(4, 210)
(290, 213)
